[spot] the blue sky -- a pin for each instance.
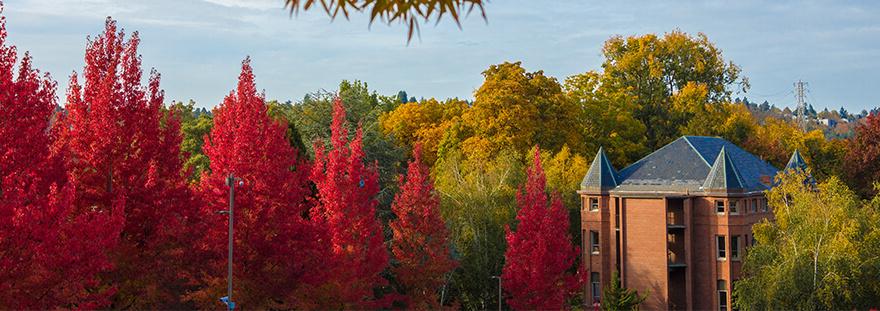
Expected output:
(198, 45)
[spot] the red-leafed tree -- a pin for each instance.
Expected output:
(50, 253)
(863, 157)
(539, 254)
(278, 253)
(347, 207)
(120, 144)
(420, 243)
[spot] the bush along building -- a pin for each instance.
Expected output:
(675, 224)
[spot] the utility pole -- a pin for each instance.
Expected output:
(230, 181)
(799, 93)
(499, 290)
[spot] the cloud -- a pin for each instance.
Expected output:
(261, 5)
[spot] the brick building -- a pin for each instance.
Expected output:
(676, 223)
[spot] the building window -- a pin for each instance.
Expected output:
(719, 207)
(734, 208)
(594, 242)
(754, 206)
(595, 287)
(722, 247)
(734, 247)
(594, 204)
(746, 240)
(722, 295)
(764, 205)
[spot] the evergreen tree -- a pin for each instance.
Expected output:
(618, 298)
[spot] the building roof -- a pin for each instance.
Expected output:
(601, 175)
(796, 162)
(723, 175)
(689, 164)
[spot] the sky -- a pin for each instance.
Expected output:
(198, 45)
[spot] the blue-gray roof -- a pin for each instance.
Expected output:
(723, 175)
(796, 162)
(601, 174)
(685, 165)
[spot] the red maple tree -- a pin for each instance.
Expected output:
(277, 252)
(50, 253)
(539, 252)
(121, 145)
(862, 161)
(420, 243)
(347, 207)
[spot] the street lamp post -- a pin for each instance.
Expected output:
(499, 290)
(230, 181)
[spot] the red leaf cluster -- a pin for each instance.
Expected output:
(278, 252)
(420, 243)
(862, 161)
(50, 253)
(346, 206)
(539, 253)
(123, 149)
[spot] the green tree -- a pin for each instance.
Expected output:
(820, 253)
(478, 200)
(606, 120)
(195, 125)
(312, 117)
(284, 112)
(618, 298)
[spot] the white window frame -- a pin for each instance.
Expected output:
(722, 295)
(594, 243)
(734, 207)
(764, 205)
(593, 202)
(722, 205)
(721, 247)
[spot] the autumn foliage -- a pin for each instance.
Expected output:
(277, 250)
(51, 253)
(98, 210)
(123, 151)
(346, 205)
(539, 258)
(420, 242)
(862, 162)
